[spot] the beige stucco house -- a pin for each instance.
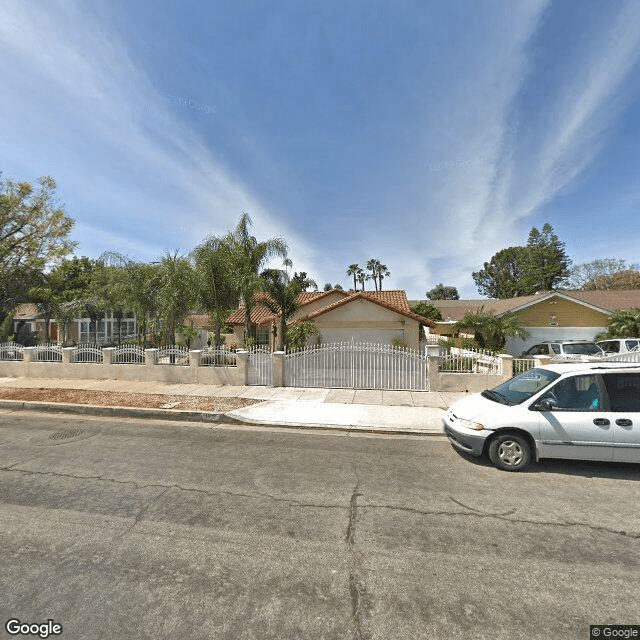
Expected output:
(340, 316)
(549, 315)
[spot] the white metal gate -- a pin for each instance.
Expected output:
(356, 365)
(260, 366)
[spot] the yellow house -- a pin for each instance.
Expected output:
(546, 316)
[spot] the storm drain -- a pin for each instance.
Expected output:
(65, 435)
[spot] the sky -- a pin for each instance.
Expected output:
(426, 134)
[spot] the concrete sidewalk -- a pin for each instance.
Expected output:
(413, 412)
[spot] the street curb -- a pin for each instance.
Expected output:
(195, 416)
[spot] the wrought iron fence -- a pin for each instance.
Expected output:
(128, 354)
(520, 365)
(220, 357)
(459, 360)
(173, 355)
(11, 351)
(260, 366)
(86, 352)
(48, 352)
(357, 365)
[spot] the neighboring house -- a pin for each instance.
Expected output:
(380, 317)
(78, 330)
(27, 315)
(549, 315)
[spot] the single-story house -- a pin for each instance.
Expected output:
(545, 316)
(380, 317)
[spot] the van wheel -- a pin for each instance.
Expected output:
(510, 452)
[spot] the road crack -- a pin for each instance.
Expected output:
(357, 591)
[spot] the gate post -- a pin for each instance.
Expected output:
(277, 362)
(506, 366)
(66, 354)
(242, 363)
(432, 351)
(107, 355)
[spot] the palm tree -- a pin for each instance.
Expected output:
(353, 271)
(216, 290)
(372, 265)
(624, 324)
(383, 272)
(248, 258)
(283, 292)
(492, 331)
(176, 292)
(361, 277)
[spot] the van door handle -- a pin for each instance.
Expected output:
(624, 422)
(601, 422)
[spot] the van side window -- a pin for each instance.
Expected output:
(579, 393)
(623, 390)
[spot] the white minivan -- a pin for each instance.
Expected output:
(584, 411)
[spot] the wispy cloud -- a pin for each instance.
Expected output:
(494, 178)
(76, 101)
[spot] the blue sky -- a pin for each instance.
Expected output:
(428, 135)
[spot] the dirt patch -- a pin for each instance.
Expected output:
(124, 399)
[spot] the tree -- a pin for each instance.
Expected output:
(248, 259)
(427, 310)
(503, 276)
(136, 284)
(604, 274)
(624, 324)
(299, 332)
(546, 260)
(361, 277)
(283, 292)
(216, 289)
(304, 281)
(176, 292)
(33, 231)
(491, 331)
(441, 292)
(541, 265)
(354, 270)
(379, 271)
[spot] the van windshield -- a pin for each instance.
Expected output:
(521, 387)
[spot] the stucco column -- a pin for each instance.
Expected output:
(540, 360)
(150, 357)
(66, 354)
(277, 358)
(194, 358)
(107, 355)
(506, 365)
(28, 353)
(242, 363)
(432, 352)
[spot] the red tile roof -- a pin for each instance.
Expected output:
(394, 300)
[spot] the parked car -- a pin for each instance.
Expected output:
(613, 346)
(584, 411)
(566, 349)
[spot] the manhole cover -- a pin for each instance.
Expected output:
(64, 435)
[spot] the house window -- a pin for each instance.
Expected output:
(262, 335)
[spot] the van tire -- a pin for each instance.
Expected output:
(510, 452)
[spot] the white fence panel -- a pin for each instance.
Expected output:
(87, 353)
(11, 351)
(356, 365)
(128, 354)
(260, 366)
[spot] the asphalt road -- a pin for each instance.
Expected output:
(124, 529)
